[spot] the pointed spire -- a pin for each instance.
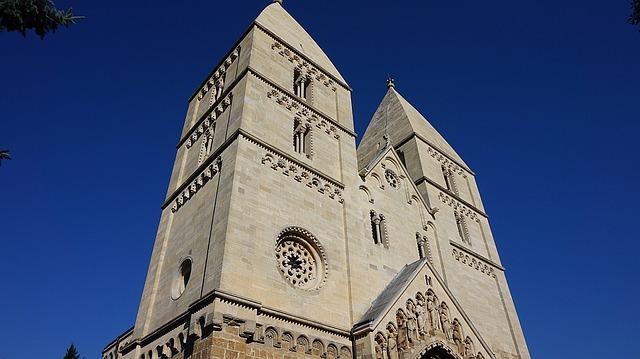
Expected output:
(390, 82)
(278, 1)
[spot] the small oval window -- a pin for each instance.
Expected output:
(182, 278)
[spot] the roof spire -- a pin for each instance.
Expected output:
(390, 82)
(278, 1)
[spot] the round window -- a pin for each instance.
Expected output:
(392, 178)
(182, 278)
(300, 258)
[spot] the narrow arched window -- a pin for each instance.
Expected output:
(449, 180)
(301, 138)
(378, 228)
(462, 228)
(207, 144)
(300, 84)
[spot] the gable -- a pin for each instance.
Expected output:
(374, 175)
(417, 313)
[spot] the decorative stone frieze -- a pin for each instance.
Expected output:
(459, 207)
(446, 162)
(303, 112)
(476, 263)
(209, 121)
(201, 180)
(300, 174)
(306, 68)
(217, 78)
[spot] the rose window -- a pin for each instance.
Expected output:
(299, 259)
(392, 178)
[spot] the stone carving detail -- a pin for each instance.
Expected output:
(208, 124)
(424, 249)
(332, 352)
(474, 263)
(301, 259)
(304, 66)
(345, 353)
(304, 113)
(412, 323)
(392, 178)
(392, 341)
(445, 323)
(459, 207)
(446, 162)
(425, 320)
(301, 174)
(216, 81)
(201, 180)
(421, 314)
(381, 346)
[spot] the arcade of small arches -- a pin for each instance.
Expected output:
(303, 344)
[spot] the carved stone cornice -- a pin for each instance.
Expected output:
(200, 181)
(209, 120)
(302, 112)
(445, 161)
(293, 103)
(298, 171)
(424, 140)
(218, 75)
(306, 67)
(479, 258)
(473, 263)
(459, 206)
(302, 56)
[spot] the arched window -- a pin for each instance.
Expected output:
(462, 228)
(300, 84)
(207, 144)
(301, 137)
(378, 228)
(449, 180)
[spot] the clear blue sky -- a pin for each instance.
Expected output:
(540, 98)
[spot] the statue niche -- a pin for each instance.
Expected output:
(412, 323)
(381, 346)
(421, 314)
(432, 310)
(445, 324)
(403, 331)
(392, 341)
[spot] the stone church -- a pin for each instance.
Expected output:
(280, 238)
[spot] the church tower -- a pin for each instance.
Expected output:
(278, 238)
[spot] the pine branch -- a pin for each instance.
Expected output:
(41, 16)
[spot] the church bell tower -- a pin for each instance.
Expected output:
(279, 238)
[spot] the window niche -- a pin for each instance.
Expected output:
(207, 144)
(463, 232)
(301, 85)
(302, 137)
(449, 180)
(378, 229)
(182, 278)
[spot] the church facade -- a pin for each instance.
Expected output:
(279, 238)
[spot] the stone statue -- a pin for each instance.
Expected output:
(457, 336)
(412, 325)
(468, 348)
(432, 311)
(421, 317)
(403, 333)
(444, 321)
(381, 350)
(392, 343)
